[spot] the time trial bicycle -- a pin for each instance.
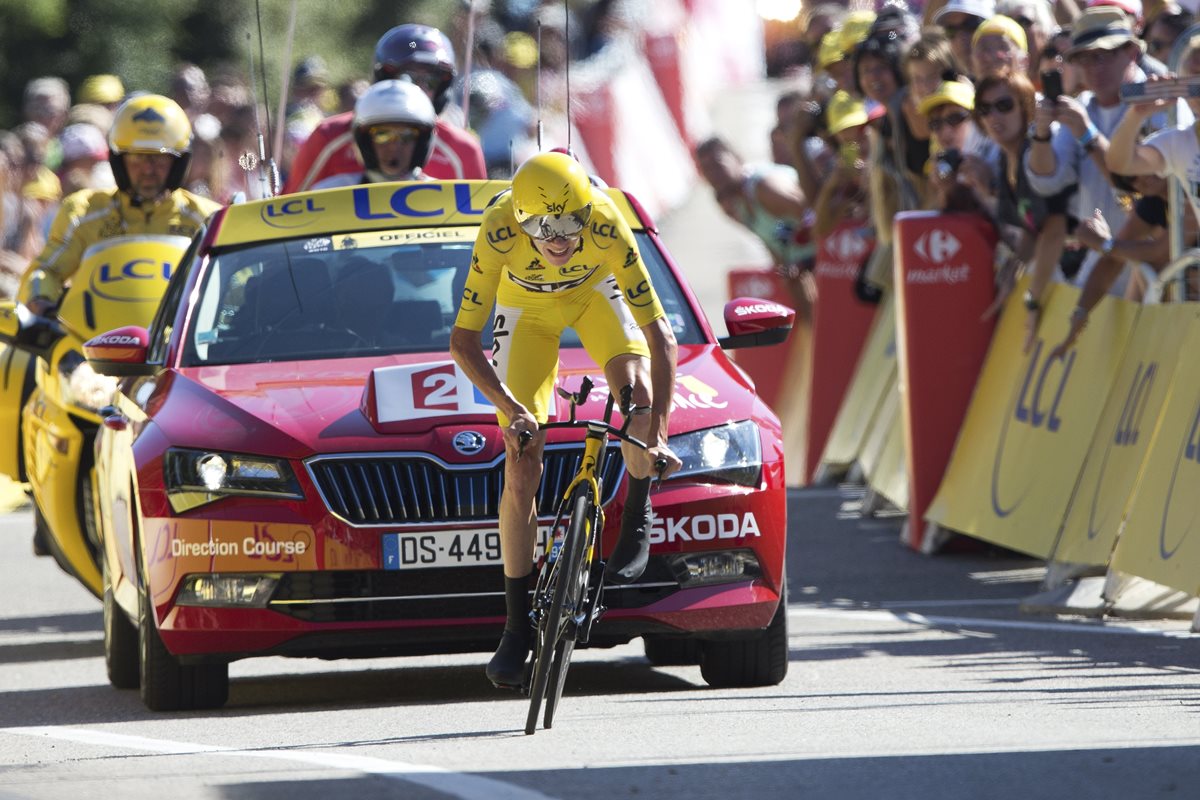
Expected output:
(568, 596)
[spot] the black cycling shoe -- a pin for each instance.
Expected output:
(629, 557)
(506, 670)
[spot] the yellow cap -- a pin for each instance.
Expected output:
(44, 186)
(520, 50)
(949, 92)
(1001, 25)
(101, 89)
(844, 111)
(830, 49)
(855, 28)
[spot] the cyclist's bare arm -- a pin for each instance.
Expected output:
(663, 353)
(466, 348)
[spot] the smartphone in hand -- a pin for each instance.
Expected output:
(1052, 84)
(1165, 89)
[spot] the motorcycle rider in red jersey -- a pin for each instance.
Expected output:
(426, 56)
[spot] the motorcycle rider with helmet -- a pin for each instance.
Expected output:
(561, 273)
(426, 56)
(393, 128)
(149, 146)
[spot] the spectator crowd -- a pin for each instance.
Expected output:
(1058, 122)
(62, 144)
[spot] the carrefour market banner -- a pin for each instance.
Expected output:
(1030, 424)
(1124, 434)
(1161, 538)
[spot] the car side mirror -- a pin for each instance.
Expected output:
(752, 322)
(120, 353)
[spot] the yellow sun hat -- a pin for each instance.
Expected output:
(949, 92)
(1001, 25)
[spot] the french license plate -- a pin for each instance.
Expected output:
(429, 549)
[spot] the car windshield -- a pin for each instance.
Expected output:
(357, 295)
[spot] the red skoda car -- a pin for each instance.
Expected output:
(294, 466)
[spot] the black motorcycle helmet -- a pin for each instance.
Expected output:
(405, 45)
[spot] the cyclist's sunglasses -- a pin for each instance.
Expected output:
(389, 135)
(546, 227)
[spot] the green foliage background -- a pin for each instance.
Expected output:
(142, 40)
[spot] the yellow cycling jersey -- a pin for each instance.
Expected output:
(506, 267)
(91, 215)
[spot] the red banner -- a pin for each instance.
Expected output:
(841, 323)
(944, 284)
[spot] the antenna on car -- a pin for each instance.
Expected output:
(467, 61)
(284, 85)
(567, 36)
(268, 173)
(539, 85)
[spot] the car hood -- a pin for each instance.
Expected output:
(297, 409)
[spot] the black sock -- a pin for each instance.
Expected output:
(516, 604)
(639, 490)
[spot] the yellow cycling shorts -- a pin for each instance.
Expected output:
(525, 338)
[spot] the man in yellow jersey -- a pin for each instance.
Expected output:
(149, 146)
(540, 260)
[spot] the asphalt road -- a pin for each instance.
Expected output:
(910, 677)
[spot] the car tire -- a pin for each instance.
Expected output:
(671, 651)
(761, 661)
(168, 685)
(120, 641)
(41, 535)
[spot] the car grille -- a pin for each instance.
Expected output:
(451, 593)
(418, 490)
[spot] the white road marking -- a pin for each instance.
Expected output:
(448, 782)
(873, 615)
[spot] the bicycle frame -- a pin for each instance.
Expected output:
(563, 562)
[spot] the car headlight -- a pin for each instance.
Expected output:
(228, 590)
(82, 385)
(196, 477)
(729, 453)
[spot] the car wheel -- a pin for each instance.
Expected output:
(120, 641)
(671, 651)
(41, 536)
(761, 661)
(168, 685)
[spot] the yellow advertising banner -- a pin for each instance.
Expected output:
(876, 371)
(377, 206)
(885, 421)
(891, 476)
(1030, 423)
(1161, 537)
(1123, 435)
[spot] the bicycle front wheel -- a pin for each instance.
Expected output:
(563, 594)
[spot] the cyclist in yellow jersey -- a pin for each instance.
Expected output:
(545, 258)
(149, 147)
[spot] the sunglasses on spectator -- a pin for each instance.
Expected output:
(963, 27)
(950, 120)
(389, 135)
(1003, 105)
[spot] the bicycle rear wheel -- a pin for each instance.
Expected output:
(562, 594)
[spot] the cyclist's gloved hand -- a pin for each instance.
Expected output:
(665, 453)
(518, 422)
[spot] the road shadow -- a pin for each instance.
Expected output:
(1099, 774)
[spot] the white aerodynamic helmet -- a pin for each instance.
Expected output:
(396, 102)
